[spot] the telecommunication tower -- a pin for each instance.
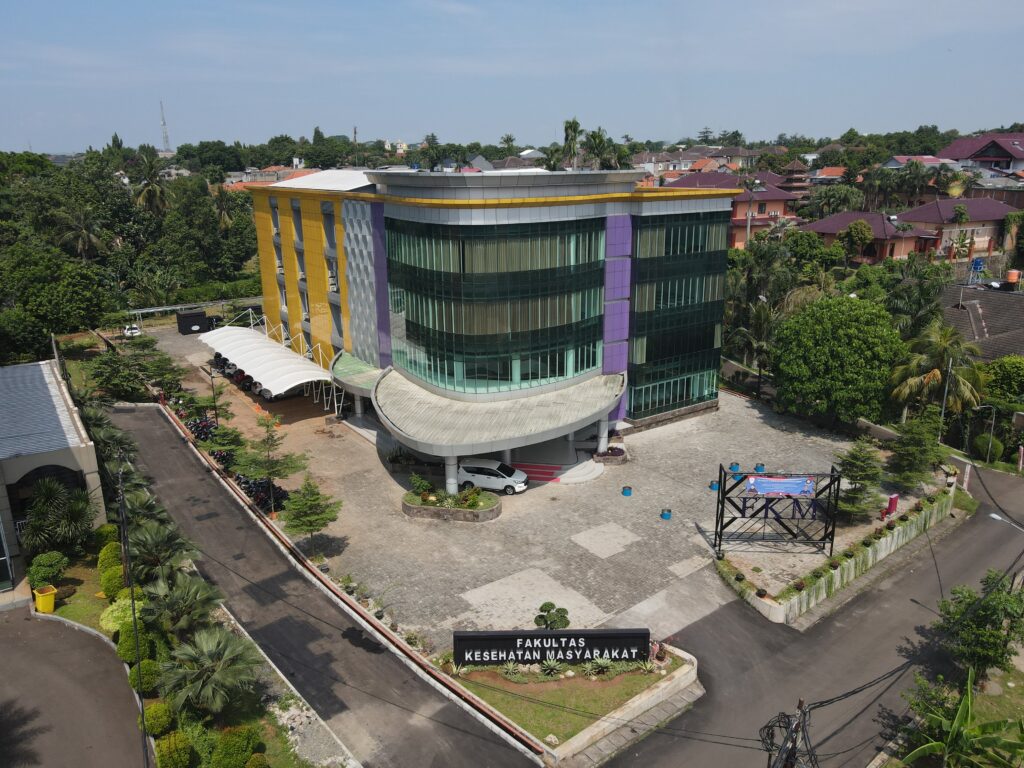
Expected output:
(163, 127)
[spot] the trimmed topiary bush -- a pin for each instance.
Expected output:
(112, 582)
(258, 760)
(106, 534)
(980, 446)
(46, 568)
(144, 676)
(235, 747)
(109, 556)
(158, 718)
(114, 616)
(173, 751)
(125, 593)
(126, 643)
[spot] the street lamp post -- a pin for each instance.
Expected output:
(991, 431)
(213, 390)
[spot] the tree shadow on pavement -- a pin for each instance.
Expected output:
(324, 544)
(17, 734)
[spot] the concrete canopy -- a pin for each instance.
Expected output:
(275, 367)
(441, 426)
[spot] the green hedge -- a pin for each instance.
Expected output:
(235, 747)
(126, 643)
(106, 534)
(144, 676)
(109, 556)
(158, 718)
(112, 581)
(173, 751)
(46, 568)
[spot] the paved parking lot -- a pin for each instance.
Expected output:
(607, 558)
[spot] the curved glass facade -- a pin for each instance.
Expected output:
(496, 308)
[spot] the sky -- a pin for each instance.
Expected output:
(73, 73)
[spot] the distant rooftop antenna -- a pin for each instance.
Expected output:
(163, 127)
(355, 135)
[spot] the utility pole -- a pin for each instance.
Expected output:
(355, 134)
(794, 750)
(945, 391)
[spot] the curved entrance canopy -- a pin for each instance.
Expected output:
(277, 368)
(441, 426)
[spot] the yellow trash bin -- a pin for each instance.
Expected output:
(45, 597)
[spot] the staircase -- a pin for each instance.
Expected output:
(541, 473)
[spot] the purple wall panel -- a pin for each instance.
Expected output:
(380, 280)
(616, 354)
(616, 279)
(618, 236)
(618, 413)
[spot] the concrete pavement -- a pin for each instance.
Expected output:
(64, 698)
(379, 708)
(752, 669)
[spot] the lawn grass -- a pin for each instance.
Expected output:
(1001, 466)
(278, 749)
(966, 502)
(83, 607)
(1007, 705)
(562, 707)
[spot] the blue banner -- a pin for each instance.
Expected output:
(764, 485)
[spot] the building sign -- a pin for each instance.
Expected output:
(568, 646)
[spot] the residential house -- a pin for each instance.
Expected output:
(984, 226)
(741, 156)
(897, 162)
(766, 205)
(989, 318)
(990, 152)
(514, 161)
(1009, 190)
(531, 154)
(889, 241)
(481, 163)
(830, 174)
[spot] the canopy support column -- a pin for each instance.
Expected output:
(602, 435)
(451, 474)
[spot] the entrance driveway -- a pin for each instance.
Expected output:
(64, 698)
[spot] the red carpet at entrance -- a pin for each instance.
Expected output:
(541, 473)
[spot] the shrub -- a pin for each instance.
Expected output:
(46, 568)
(158, 718)
(112, 581)
(258, 760)
(114, 616)
(420, 484)
(144, 676)
(980, 445)
(867, 541)
(173, 751)
(550, 667)
(235, 747)
(126, 643)
(110, 556)
(602, 666)
(125, 594)
(510, 671)
(848, 553)
(799, 585)
(106, 534)
(551, 616)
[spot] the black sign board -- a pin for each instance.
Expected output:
(571, 646)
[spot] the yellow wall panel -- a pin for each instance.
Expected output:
(291, 270)
(316, 280)
(267, 261)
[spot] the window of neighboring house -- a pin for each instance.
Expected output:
(762, 207)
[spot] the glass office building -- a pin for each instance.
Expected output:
(559, 300)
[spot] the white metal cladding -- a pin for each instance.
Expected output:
(275, 367)
(359, 274)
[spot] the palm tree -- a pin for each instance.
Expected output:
(964, 743)
(157, 550)
(508, 141)
(180, 605)
(58, 517)
(210, 671)
(914, 301)
(940, 349)
(81, 231)
(140, 506)
(597, 147)
(152, 194)
(554, 157)
(759, 336)
(572, 140)
(914, 178)
(222, 204)
(112, 443)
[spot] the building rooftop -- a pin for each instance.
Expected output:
(942, 211)
(881, 227)
(344, 180)
(965, 146)
(986, 317)
(36, 412)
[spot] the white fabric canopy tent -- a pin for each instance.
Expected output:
(277, 368)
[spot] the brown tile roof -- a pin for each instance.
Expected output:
(796, 165)
(942, 211)
(965, 146)
(881, 227)
(988, 318)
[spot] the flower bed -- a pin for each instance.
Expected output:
(485, 506)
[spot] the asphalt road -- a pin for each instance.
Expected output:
(753, 669)
(64, 698)
(383, 712)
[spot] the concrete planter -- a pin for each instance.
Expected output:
(613, 459)
(789, 610)
(458, 515)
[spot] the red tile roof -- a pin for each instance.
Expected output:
(942, 211)
(703, 163)
(881, 227)
(713, 180)
(831, 171)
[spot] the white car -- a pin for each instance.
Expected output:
(131, 331)
(491, 475)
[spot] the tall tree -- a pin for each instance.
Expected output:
(922, 376)
(263, 459)
(571, 141)
(152, 193)
(508, 143)
(308, 511)
(554, 157)
(983, 631)
(861, 467)
(597, 148)
(758, 338)
(856, 237)
(80, 229)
